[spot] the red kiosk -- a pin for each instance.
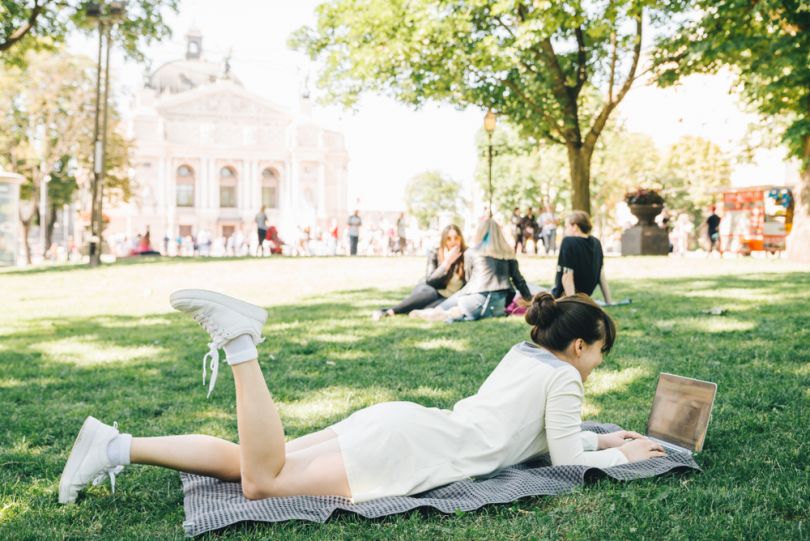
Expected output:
(756, 219)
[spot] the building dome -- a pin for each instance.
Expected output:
(193, 71)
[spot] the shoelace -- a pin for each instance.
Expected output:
(213, 356)
(111, 472)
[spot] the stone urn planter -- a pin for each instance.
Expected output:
(646, 213)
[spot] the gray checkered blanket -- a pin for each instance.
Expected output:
(211, 504)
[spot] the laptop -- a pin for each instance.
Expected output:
(680, 413)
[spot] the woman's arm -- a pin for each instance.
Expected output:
(603, 285)
(568, 281)
(518, 280)
(567, 442)
(435, 274)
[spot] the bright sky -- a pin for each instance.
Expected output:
(389, 143)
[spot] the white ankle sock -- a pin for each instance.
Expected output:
(118, 449)
(241, 349)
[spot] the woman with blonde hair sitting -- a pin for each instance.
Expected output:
(492, 278)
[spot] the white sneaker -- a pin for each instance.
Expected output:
(88, 460)
(223, 317)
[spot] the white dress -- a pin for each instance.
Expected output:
(530, 405)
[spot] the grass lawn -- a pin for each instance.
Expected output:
(104, 342)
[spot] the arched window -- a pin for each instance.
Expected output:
(270, 188)
(227, 187)
(185, 186)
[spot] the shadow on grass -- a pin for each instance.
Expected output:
(323, 360)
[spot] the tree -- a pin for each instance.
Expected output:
(695, 170)
(767, 43)
(524, 172)
(539, 64)
(430, 194)
(44, 24)
(46, 128)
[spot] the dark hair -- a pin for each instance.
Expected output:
(581, 219)
(557, 323)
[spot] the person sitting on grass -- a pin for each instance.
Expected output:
(580, 261)
(492, 270)
(528, 406)
(444, 276)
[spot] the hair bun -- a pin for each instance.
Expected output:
(543, 311)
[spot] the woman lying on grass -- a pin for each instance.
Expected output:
(530, 405)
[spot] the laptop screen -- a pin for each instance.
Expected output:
(681, 410)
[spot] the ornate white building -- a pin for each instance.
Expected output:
(208, 154)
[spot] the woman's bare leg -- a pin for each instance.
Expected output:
(261, 434)
(310, 440)
(192, 453)
(313, 466)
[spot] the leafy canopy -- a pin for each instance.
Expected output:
(767, 42)
(43, 24)
(429, 195)
(538, 63)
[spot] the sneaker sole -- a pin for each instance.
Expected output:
(244, 308)
(79, 450)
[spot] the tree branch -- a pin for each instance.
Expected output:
(566, 99)
(613, 57)
(582, 67)
(601, 119)
(555, 138)
(20, 33)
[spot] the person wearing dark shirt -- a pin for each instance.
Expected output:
(444, 276)
(531, 229)
(492, 275)
(517, 230)
(713, 230)
(580, 261)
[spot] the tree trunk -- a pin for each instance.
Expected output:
(798, 242)
(26, 228)
(579, 164)
(49, 229)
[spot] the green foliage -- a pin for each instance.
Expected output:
(430, 194)
(44, 25)
(766, 42)
(525, 173)
(47, 119)
(688, 175)
(695, 172)
(538, 64)
(75, 344)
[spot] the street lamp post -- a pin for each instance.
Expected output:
(489, 127)
(106, 15)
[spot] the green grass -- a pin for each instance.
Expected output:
(77, 342)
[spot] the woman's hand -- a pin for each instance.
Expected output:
(616, 439)
(451, 255)
(641, 449)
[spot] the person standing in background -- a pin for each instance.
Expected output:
(517, 230)
(261, 230)
(713, 231)
(333, 237)
(549, 223)
(354, 224)
(402, 233)
(530, 229)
